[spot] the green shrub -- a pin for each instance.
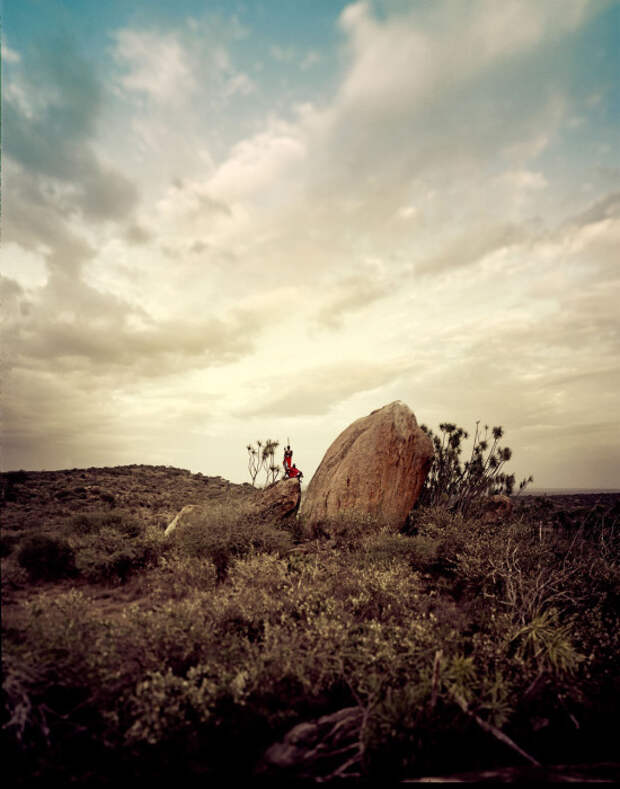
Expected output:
(8, 482)
(109, 555)
(179, 576)
(47, 558)
(121, 521)
(347, 529)
(222, 533)
(7, 543)
(459, 485)
(516, 624)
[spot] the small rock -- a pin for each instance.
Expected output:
(321, 749)
(497, 508)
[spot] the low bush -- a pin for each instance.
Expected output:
(109, 555)
(9, 480)
(443, 637)
(119, 520)
(175, 575)
(222, 533)
(47, 558)
(7, 544)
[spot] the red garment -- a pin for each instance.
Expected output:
(294, 472)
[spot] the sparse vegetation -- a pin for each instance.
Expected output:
(47, 558)
(261, 458)
(215, 643)
(458, 485)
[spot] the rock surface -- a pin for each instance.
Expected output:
(322, 749)
(274, 504)
(277, 502)
(375, 467)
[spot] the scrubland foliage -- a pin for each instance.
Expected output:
(236, 632)
(461, 485)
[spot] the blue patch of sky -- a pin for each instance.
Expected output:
(292, 51)
(301, 28)
(509, 100)
(275, 37)
(586, 66)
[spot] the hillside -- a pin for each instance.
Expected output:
(156, 492)
(451, 647)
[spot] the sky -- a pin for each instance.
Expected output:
(224, 222)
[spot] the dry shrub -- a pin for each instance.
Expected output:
(221, 533)
(47, 558)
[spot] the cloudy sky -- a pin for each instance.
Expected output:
(228, 221)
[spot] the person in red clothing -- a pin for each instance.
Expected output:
(295, 472)
(288, 456)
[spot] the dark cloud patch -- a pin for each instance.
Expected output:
(105, 193)
(205, 204)
(52, 138)
(9, 290)
(136, 234)
(72, 326)
(319, 389)
(33, 219)
(152, 351)
(56, 421)
(32, 216)
(350, 295)
(586, 320)
(211, 206)
(469, 248)
(607, 207)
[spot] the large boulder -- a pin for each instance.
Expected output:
(376, 467)
(273, 505)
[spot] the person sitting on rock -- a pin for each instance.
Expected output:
(295, 472)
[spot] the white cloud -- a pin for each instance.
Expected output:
(258, 162)
(407, 212)
(156, 65)
(351, 295)
(524, 179)
(25, 266)
(316, 390)
(405, 58)
(9, 55)
(310, 59)
(282, 54)
(239, 83)
(272, 276)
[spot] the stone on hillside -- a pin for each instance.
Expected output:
(497, 508)
(277, 502)
(375, 467)
(274, 504)
(180, 517)
(318, 750)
